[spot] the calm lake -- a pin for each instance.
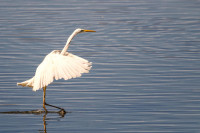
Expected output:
(146, 65)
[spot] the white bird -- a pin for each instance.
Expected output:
(57, 65)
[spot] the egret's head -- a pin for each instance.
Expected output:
(83, 30)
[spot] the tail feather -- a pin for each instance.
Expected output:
(28, 83)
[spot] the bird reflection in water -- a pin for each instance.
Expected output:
(61, 113)
(45, 124)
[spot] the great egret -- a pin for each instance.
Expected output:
(57, 65)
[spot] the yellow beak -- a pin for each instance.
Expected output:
(89, 31)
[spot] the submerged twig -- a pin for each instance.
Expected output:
(60, 112)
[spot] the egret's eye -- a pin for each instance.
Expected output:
(82, 30)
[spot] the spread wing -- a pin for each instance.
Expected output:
(57, 66)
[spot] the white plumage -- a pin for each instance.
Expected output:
(57, 65)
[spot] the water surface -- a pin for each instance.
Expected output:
(145, 75)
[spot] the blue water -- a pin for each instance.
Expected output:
(146, 65)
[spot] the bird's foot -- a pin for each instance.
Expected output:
(62, 112)
(45, 110)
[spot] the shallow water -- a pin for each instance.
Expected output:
(145, 75)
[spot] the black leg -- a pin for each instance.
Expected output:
(61, 112)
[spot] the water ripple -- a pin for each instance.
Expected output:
(145, 75)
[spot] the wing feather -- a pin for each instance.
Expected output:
(72, 68)
(57, 66)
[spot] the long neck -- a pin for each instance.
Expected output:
(68, 42)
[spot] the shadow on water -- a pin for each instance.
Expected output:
(61, 114)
